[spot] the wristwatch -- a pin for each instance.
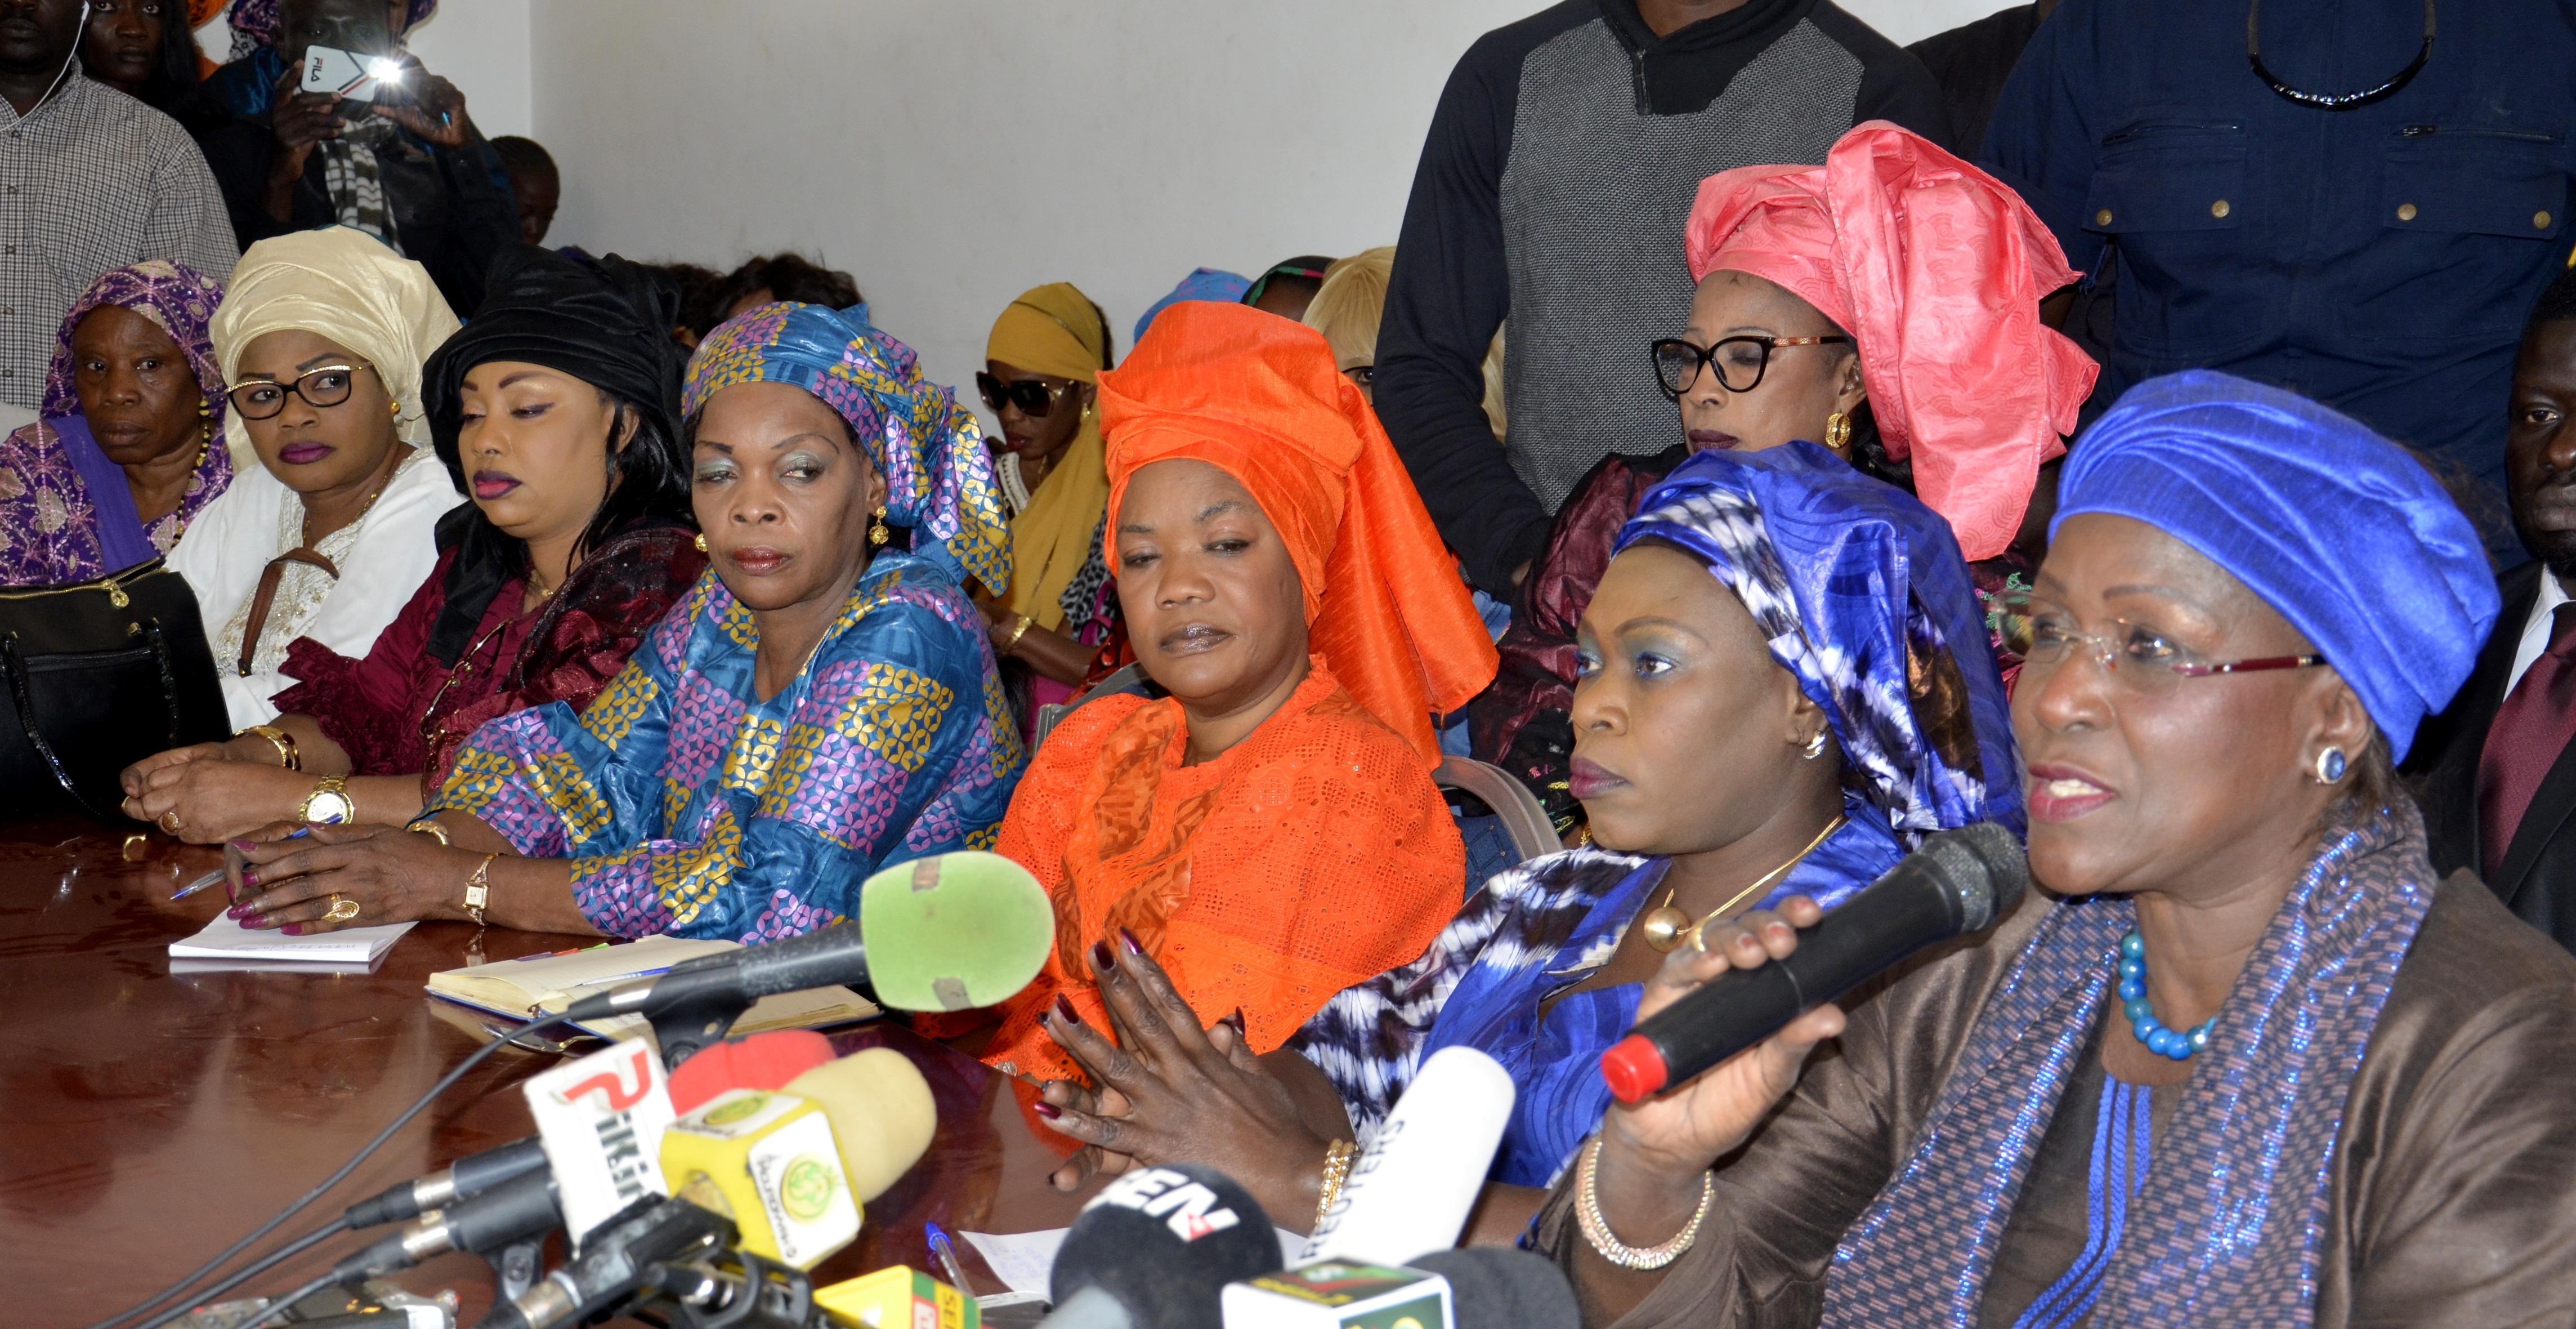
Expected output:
(478, 889)
(329, 804)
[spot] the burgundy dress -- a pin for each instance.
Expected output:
(402, 709)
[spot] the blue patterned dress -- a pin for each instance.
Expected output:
(1532, 932)
(688, 806)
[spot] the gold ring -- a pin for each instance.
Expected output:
(342, 909)
(170, 821)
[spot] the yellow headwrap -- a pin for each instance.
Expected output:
(346, 285)
(1054, 330)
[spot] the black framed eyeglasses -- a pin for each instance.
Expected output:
(1740, 361)
(325, 385)
(1033, 398)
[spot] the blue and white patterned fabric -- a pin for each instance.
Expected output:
(1865, 598)
(1865, 623)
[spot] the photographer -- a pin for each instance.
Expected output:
(407, 167)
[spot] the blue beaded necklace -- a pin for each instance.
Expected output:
(2142, 1018)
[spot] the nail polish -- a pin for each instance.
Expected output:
(1236, 1019)
(237, 913)
(293, 929)
(1064, 1011)
(1048, 1110)
(250, 878)
(244, 845)
(1101, 956)
(1130, 938)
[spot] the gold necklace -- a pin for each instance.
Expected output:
(1666, 927)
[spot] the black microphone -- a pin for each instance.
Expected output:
(1496, 1287)
(950, 933)
(621, 1258)
(1155, 1250)
(513, 1211)
(1959, 882)
(463, 1179)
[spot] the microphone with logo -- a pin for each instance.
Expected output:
(1961, 881)
(947, 933)
(1155, 1249)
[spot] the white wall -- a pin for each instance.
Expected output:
(951, 153)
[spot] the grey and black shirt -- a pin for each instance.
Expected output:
(1553, 188)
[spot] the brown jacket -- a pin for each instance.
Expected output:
(2453, 1198)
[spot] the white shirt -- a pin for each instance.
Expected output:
(2535, 629)
(388, 554)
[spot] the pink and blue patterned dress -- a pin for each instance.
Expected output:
(688, 806)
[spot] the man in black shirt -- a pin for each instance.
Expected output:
(1559, 169)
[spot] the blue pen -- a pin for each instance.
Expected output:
(217, 875)
(947, 1256)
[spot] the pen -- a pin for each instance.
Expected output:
(201, 883)
(948, 1259)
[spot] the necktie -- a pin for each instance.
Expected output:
(2533, 726)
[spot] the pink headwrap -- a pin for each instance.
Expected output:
(1937, 269)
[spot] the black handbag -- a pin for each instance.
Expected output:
(100, 674)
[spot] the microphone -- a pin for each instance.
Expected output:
(623, 1257)
(513, 1211)
(466, 1177)
(1411, 1192)
(761, 1061)
(1155, 1249)
(1959, 882)
(1496, 1287)
(791, 1166)
(946, 933)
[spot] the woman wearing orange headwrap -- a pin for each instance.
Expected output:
(1269, 832)
(1884, 304)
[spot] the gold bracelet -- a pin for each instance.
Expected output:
(1596, 1229)
(424, 826)
(1337, 1169)
(1012, 642)
(478, 890)
(287, 757)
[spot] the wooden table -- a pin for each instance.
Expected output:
(148, 1119)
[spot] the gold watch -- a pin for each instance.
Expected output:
(478, 889)
(329, 804)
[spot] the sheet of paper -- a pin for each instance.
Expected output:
(1022, 1260)
(226, 939)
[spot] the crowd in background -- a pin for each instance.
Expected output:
(1763, 450)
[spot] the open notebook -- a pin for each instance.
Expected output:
(520, 988)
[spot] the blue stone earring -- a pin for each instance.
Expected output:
(2330, 766)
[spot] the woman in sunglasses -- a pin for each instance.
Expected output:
(1040, 366)
(321, 338)
(558, 409)
(1884, 305)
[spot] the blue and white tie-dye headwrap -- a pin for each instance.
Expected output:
(1862, 593)
(939, 478)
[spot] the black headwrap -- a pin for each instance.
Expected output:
(606, 322)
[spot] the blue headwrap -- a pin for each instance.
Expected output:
(939, 478)
(1215, 284)
(1864, 597)
(2350, 538)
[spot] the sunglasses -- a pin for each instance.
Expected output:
(1033, 398)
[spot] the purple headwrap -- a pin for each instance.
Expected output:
(258, 19)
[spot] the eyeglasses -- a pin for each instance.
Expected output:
(1739, 361)
(328, 385)
(2045, 636)
(1033, 398)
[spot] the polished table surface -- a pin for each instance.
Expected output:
(148, 1119)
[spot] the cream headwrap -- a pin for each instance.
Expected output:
(345, 285)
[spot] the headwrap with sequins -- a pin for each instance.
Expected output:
(1861, 591)
(939, 479)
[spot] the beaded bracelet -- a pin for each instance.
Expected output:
(1596, 1229)
(1337, 1169)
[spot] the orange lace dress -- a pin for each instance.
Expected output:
(1312, 855)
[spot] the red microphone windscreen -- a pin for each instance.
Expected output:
(1633, 1068)
(761, 1061)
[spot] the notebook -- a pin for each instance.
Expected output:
(226, 939)
(521, 988)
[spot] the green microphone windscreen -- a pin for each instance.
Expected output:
(955, 931)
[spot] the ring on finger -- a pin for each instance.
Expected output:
(342, 909)
(170, 821)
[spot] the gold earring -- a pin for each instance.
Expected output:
(877, 532)
(394, 408)
(701, 541)
(1838, 431)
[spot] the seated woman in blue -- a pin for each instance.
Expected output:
(1785, 679)
(821, 704)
